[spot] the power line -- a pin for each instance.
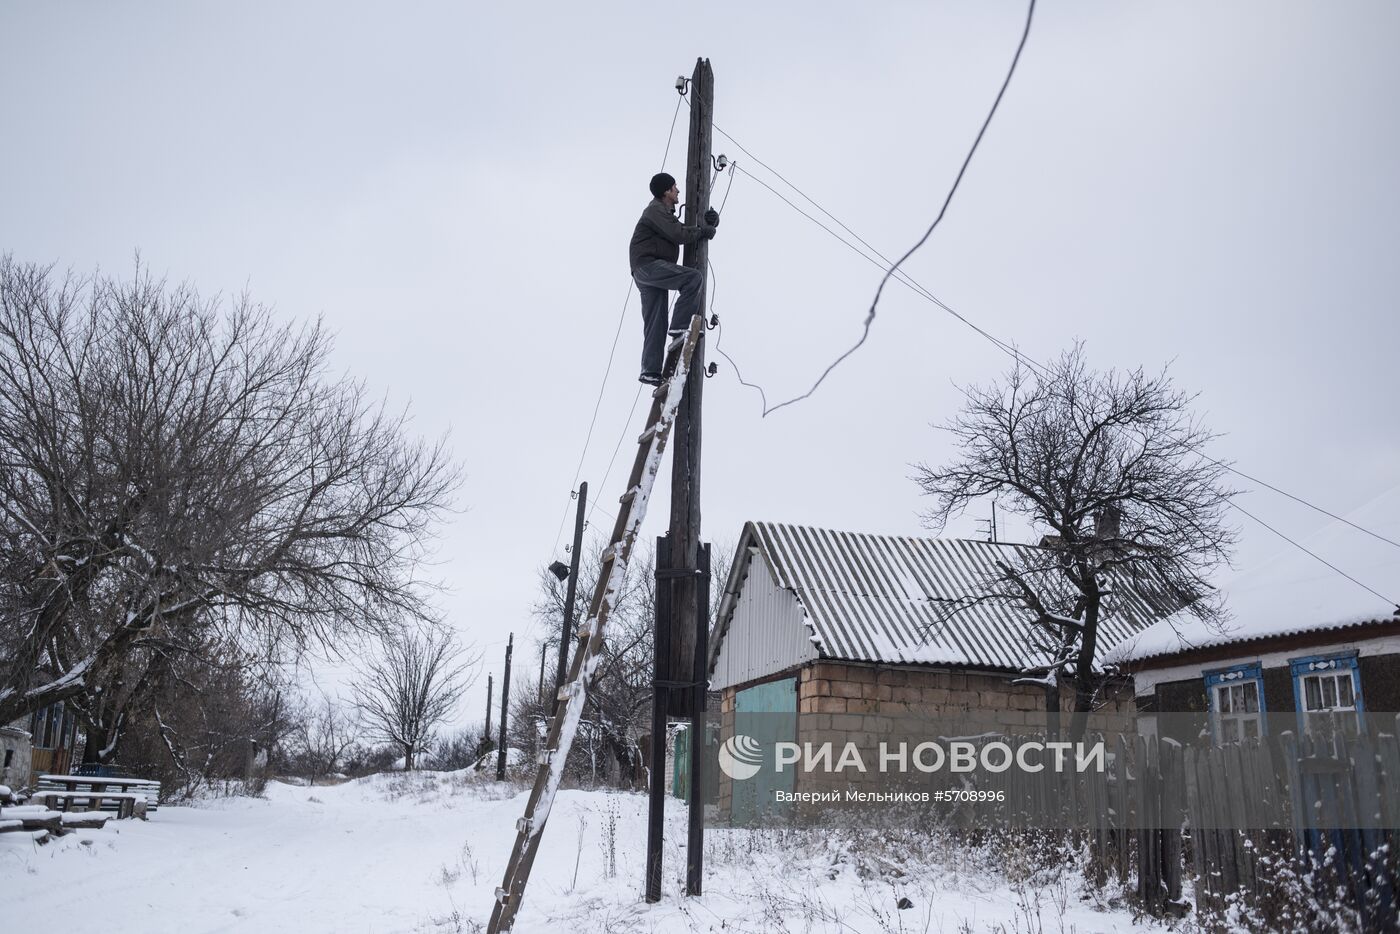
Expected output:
(671, 133)
(1315, 555)
(1010, 349)
(900, 275)
(893, 271)
(1298, 499)
(1039, 368)
(617, 447)
(870, 316)
(596, 405)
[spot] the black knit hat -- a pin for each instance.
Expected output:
(660, 184)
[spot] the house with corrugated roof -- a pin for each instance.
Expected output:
(836, 636)
(1313, 639)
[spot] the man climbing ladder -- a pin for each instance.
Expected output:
(652, 254)
(679, 364)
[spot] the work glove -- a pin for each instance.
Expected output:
(712, 217)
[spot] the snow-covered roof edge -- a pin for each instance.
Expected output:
(1293, 593)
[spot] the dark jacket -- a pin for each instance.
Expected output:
(659, 235)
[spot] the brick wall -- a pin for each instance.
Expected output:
(726, 714)
(841, 702)
(850, 697)
(865, 704)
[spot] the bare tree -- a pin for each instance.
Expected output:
(173, 465)
(199, 722)
(1108, 465)
(413, 687)
(460, 749)
(324, 736)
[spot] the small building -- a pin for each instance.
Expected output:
(843, 636)
(1304, 645)
(42, 743)
(14, 755)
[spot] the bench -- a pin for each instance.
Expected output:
(105, 785)
(127, 804)
(31, 818)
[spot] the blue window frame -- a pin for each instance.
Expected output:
(1235, 699)
(1327, 688)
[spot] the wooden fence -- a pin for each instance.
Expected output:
(1241, 819)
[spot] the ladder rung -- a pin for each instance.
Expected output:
(660, 391)
(646, 436)
(522, 825)
(543, 757)
(612, 552)
(629, 495)
(677, 341)
(584, 632)
(566, 691)
(501, 895)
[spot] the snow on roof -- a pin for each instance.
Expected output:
(1293, 592)
(898, 599)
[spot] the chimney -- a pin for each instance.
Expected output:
(1107, 523)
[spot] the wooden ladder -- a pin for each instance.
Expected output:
(568, 708)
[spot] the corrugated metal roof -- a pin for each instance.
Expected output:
(893, 599)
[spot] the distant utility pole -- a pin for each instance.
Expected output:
(992, 524)
(566, 633)
(678, 683)
(539, 690)
(505, 708)
(487, 732)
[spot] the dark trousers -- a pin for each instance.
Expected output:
(654, 280)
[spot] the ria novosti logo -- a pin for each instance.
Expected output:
(740, 757)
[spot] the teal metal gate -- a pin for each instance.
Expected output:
(766, 713)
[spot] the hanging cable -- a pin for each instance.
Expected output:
(671, 134)
(626, 427)
(1039, 368)
(900, 276)
(870, 315)
(719, 334)
(894, 271)
(597, 404)
(1008, 348)
(727, 188)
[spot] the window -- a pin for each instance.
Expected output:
(1328, 691)
(1235, 697)
(53, 724)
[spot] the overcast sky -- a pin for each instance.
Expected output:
(452, 187)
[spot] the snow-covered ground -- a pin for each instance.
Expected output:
(422, 853)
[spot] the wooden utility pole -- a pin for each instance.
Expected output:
(685, 456)
(679, 672)
(693, 591)
(567, 631)
(487, 732)
(660, 700)
(695, 823)
(505, 713)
